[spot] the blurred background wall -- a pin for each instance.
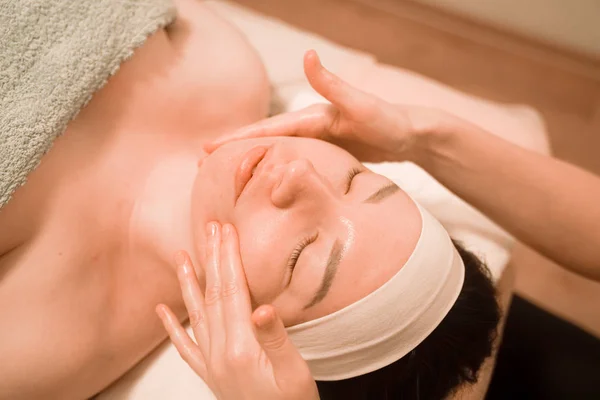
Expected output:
(570, 24)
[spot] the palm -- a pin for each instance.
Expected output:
(369, 128)
(365, 133)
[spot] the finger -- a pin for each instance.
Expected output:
(183, 343)
(212, 293)
(193, 299)
(341, 94)
(237, 310)
(308, 122)
(272, 336)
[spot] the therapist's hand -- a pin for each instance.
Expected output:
(240, 354)
(366, 126)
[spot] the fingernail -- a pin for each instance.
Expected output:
(211, 229)
(160, 310)
(179, 258)
(226, 230)
(263, 323)
(265, 318)
(185, 268)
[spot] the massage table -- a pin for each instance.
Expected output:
(163, 374)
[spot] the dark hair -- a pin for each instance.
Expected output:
(450, 356)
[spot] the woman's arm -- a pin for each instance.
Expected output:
(548, 204)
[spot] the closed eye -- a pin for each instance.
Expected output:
(351, 174)
(293, 260)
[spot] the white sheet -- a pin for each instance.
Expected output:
(163, 375)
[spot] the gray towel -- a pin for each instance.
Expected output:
(54, 54)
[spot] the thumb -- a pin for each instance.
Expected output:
(271, 334)
(341, 94)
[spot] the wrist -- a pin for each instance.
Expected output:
(433, 131)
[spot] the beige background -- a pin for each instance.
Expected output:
(572, 24)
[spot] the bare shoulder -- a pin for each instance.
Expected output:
(213, 53)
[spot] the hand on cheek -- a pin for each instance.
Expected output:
(232, 342)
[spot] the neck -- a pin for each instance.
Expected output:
(161, 222)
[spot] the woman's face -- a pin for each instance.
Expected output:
(318, 231)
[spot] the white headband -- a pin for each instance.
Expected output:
(391, 321)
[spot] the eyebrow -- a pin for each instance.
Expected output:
(382, 193)
(335, 257)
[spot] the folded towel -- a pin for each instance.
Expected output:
(53, 56)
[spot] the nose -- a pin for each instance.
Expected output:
(300, 183)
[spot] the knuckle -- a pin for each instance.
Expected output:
(275, 342)
(196, 318)
(187, 354)
(212, 295)
(238, 358)
(230, 289)
(334, 123)
(238, 361)
(260, 131)
(218, 372)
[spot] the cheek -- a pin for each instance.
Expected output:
(261, 257)
(212, 197)
(263, 283)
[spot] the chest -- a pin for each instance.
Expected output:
(77, 296)
(76, 315)
(62, 286)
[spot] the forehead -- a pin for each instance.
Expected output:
(321, 153)
(385, 237)
(318, 151)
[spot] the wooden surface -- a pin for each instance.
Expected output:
(564, 87)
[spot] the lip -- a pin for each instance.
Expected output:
(249, 161)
